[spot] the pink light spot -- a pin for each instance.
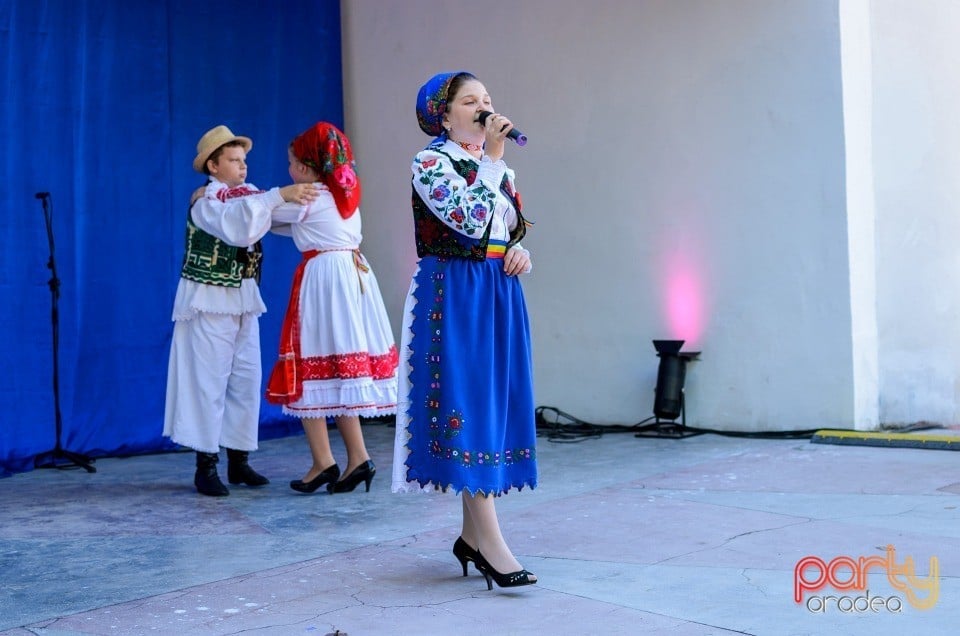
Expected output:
(685, 317)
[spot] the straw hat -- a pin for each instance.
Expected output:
(213, 139)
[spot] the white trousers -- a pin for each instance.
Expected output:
(214, 383)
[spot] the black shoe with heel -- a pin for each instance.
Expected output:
(513, 579)
(328, 475)
(464, 553)
(364, 472)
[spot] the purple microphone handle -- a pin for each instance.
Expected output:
(514, 134)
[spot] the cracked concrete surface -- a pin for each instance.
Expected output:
(627, 536)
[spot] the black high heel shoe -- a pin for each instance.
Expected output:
(513, 579)
(364, 472)
(464, 553)
(329, 475)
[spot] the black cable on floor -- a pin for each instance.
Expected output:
(558, 426)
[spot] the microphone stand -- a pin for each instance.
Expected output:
(58, 457)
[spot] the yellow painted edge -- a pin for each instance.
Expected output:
(916, 437)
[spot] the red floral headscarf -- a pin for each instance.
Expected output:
(327, 150)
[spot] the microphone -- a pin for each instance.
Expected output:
(514, 134)
(42, 195)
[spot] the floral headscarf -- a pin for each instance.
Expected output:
(432, 102)
(327, 150)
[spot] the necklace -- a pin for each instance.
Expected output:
(468, 146)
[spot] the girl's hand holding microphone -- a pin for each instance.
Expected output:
(495, 129)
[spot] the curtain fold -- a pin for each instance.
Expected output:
(103, 103)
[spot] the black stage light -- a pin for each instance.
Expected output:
(668, 402)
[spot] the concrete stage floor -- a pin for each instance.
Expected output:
(628, 536)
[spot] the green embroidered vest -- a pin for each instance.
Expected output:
(210, 261)
(434, 237)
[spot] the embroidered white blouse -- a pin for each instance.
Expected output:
(442, 188)
(460, 207)
(318, 226)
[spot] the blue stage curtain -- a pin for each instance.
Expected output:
(103, 103)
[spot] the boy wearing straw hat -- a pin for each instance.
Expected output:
(213, 379)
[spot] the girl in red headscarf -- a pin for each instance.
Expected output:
(337, 354)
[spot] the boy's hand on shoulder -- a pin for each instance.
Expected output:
(197, 195)
(302, 193)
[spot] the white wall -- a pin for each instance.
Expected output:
(686, 175)
(857, 64)
(916, 98)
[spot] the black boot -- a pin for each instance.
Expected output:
(206, 478)
(239, 471)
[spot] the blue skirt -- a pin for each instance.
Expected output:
(471, 413)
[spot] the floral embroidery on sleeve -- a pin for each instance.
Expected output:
(462, 204)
